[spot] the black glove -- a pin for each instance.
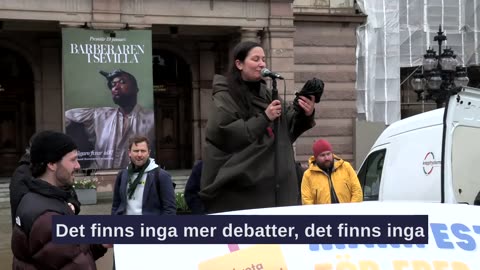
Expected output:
(313, 87)
(73, 199)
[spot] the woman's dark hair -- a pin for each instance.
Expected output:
(237, 87)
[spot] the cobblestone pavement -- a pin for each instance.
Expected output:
(101, 208)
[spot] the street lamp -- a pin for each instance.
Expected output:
(439, 75)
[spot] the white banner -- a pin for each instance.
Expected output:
(454, 237)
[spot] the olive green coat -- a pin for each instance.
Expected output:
(238, 170)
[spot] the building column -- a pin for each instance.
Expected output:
(106, 14)
(278, 42)
(278, 46)
(202, 96)
(250, 34)
(51, 97)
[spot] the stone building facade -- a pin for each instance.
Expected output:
(302, 39)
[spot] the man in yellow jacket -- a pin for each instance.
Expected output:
(329, 179)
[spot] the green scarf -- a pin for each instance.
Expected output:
(131, 170)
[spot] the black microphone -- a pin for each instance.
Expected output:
(265, 72)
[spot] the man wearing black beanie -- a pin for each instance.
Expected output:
(18, 187)
(54, 160)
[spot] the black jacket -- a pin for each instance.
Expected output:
(18, 187)
(158, 194)
(32, 233)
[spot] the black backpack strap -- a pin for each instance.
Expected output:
(333, 194)
(158, 170)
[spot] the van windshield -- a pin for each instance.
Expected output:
(370, 175)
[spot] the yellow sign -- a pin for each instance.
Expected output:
(251, 258)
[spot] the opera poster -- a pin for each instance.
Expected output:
(107, 93)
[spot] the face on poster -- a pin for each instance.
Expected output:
(108, 93)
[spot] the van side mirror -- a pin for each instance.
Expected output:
(477, 199)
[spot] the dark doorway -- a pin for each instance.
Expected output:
(17, 109)
(172, 83)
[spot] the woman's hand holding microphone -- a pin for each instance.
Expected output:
(274, 110)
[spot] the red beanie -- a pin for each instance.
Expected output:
(321, 146)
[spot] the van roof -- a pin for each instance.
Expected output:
(426, 119)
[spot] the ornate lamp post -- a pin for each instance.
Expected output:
(439, 75)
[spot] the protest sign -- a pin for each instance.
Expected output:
(454, 237)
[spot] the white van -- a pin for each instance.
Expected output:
(430, 157)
